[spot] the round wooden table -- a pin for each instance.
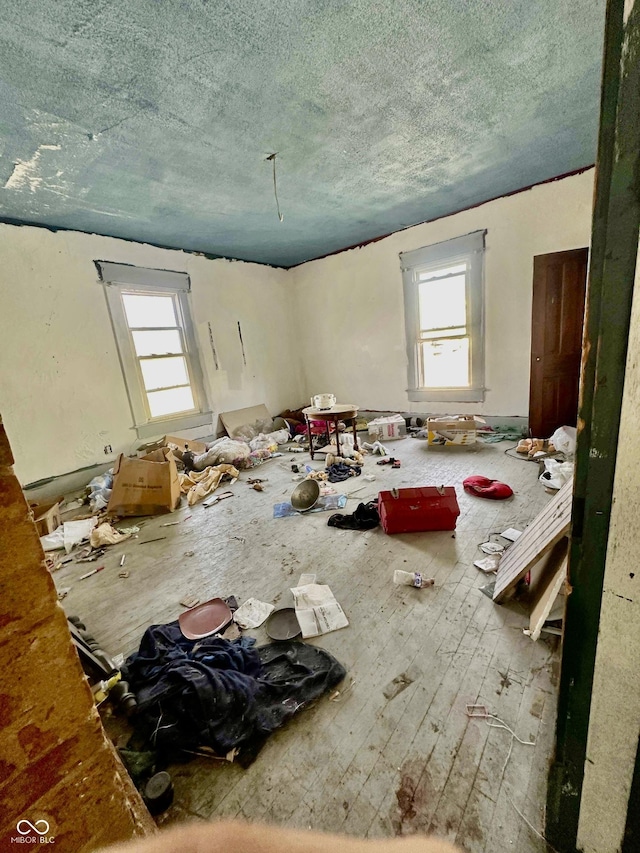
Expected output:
(337, 413)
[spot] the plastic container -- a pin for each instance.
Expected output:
(411, 579)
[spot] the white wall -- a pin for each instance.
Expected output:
(335, 325)
(614, 722)
(350, 306)
(62, 395)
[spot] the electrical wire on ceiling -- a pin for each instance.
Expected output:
(272, 157)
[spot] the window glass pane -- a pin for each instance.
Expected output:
(164, 372)
(145, 311)
(157, 343)
(445, 363)
(457, 268)
(455, 332)
(170, 402)
(442, 303)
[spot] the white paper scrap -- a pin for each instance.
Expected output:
(303, 580)
(53, 541)
(252, 613)
(76, 531)
(492, 548)
(488, 564)
(317, 610)
(511, 533)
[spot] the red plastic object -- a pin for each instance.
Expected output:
(415, 510)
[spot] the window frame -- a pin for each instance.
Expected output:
(120, 279)
(469, 248)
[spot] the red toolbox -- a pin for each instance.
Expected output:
(413, 510)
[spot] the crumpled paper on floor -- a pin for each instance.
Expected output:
(68, 534)
(105, 534)
(317, 610)
(252, 613)
(196, 485)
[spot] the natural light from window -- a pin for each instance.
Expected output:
(443, 339)
(158, 341)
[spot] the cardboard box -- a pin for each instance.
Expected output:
(192, 444)
(146, 486)
(460, 430)
(415, 510)
(387, 428)
(47, 516)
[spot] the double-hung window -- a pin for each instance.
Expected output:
(443, 297)
(157, 346)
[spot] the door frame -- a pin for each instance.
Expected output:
(614, 248)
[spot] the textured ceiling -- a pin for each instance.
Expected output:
(151, 119)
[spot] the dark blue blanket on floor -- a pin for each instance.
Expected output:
(220, 693)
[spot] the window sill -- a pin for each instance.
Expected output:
(174, 424)
(446, 395)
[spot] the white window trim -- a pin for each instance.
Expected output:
(120, 278)
(469, 247)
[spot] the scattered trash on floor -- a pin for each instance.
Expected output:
(492, 548)
(376, 448)
(252, 613)
(123, 574)
(217, 499)
(197, 485)
(283, 624)
(365, 517)
(400, 683)
(189, 553)
(556, 474)
(286, 510)
(203, 620)
(189, 601)
(488, 564)
(105, 534)
(99, 491)
(511, 533)
(412, 579)
(338, 695)
(92, 572)
(317, 610)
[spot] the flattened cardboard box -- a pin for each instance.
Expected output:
(147, 486)
(191, 444)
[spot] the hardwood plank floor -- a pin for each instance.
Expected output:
(364, 765)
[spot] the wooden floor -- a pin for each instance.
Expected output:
(365, 765)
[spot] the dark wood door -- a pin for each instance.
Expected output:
(559, 283)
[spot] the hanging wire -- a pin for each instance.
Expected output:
(272, 157)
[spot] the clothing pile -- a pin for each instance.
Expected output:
(366, 517)
(221, 694)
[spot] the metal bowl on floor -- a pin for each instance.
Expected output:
(305, 495)
(283, 624)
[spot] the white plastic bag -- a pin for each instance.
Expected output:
(564, 440)
(556, 474)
